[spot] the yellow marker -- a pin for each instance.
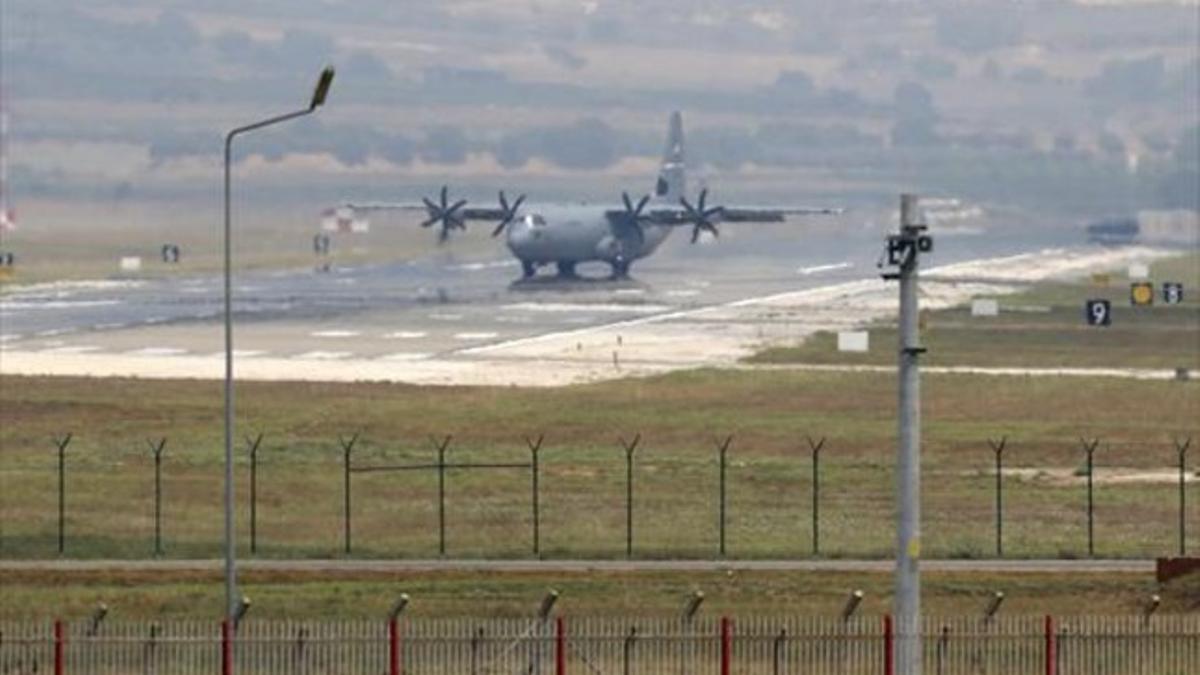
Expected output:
(1100, 279)
(1141, 293)
(914, 548)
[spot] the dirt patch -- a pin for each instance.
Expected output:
(1062, 477)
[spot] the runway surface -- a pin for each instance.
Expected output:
(441, 321)
(579, 566)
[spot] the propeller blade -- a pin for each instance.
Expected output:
(641, 205)
(503, 202)
(703, 197)
(516, 205)
(628, 204)
(445, 191)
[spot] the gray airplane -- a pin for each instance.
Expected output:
(568, 234)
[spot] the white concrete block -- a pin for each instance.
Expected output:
(853, 341)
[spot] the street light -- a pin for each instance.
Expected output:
(232, 600)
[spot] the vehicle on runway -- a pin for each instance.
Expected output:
(565, 235)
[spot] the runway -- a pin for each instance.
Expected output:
(438, 320)
(367, 567)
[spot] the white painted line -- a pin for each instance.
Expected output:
(684, 293)
(323, 356)
(405, 356)
(405, 335)
(446, 317)
(9, 337)
(53, 332)
(578, 320)
(630, 291)
(71, 349)
(156, 319)
(157, 351)
(239, 354)
(335, 333)
(817, 269)
(476, 266)
(475, 336)
(108, 326)
(615, 307)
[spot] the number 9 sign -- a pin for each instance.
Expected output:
(1098, 312)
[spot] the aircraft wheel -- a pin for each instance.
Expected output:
(566, 269)
(528, 269)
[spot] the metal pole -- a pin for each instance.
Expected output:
(722, 451)
(441, 467)
(908, 475)
(1090, 449)
(231, 596)
(629, 449)
(816, 493)
(998, 449)
(533, 451)
(157, 449)
(1182, 450)
(254, 492)
(346, 448)
(62, 487)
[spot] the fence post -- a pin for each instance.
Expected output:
(726, 644)
(1050, 646)
(534, 447)
(347, 447)
(157, 449)
(1182, 450)
(998, 449)
(722, 451)
(1090, 449)
(254, 492)
(889, 646)
(629, 449)
(59, 644)
(441, 467)
(226, 649)
(816, 493)
(394, 646)
(62, 487)
(627, 650)
(560, 646)
(777, 651)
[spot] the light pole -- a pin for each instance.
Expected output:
(232, 600)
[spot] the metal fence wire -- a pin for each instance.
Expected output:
(1159, 645)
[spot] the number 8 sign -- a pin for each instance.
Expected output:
(1098, 312)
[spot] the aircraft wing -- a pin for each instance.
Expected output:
(772, 214)
(730, 214)
(466, 213)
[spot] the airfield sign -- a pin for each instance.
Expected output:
(1141, 293)
(1172, 292)
(1098, 312)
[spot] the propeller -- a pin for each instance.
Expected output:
(509, 213)
(701, 217)
(444, 213)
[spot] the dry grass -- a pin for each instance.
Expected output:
(109, 488)
(360, 595)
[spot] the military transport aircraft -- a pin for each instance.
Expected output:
(568, 234)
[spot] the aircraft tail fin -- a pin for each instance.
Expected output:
(672, 178)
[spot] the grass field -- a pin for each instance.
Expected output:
(143, 595)
(1043, 327)
(109, 501)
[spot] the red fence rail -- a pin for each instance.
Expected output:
(1137, 645)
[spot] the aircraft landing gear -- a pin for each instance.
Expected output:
(528, 269)
(620, 268)
(566, 269)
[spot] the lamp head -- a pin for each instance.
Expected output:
(322, 89)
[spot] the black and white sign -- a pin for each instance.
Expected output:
(1172, 292)
(1098, 312)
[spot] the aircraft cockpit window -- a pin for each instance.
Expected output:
(535, 220)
